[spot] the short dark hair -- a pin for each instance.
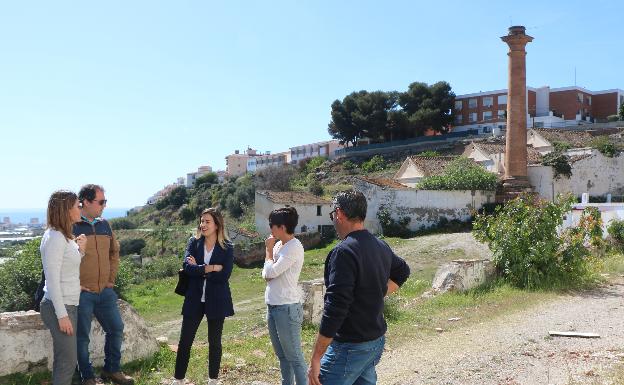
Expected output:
(352, 203)
(286, 216)
(88, 191)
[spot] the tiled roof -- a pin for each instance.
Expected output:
(432, 165)
(383, 182)
(533, 156)
(575, 139)
(292, 197)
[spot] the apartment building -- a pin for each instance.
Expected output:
(305, 151)
(546, 107)
(236, 163)
(259, 162)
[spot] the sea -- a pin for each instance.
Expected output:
(23, 216)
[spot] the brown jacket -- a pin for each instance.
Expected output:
(100, 264)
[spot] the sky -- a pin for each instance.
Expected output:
(133, 94)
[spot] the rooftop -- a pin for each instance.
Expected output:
(293, 197)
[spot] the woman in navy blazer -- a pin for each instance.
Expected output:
(208, 262)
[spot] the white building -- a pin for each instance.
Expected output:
(305, 151)
(191, 177)
(313, 211)
(259, 162)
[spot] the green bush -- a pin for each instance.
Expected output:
(613, 118)
(19, 278)
(461, 174)
(559, 162)
(315, 187)
(131, 246)
(391, 227)
(122, 224)
(130, 273)
(616, 233)
(604, 145)
(162, 267)
(376, 163)
(430, 153)
(348, 165)
(527, 248)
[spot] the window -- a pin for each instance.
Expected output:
(472, 117)
(589, 100)
(502, 99)
(458, 119)
(488, 101)
(304, 228)
(458, 104)
(579, 97)
(318, 228)
(472, 103)
(501, 114)
(487, 129)
(487, 115)
(318, 211)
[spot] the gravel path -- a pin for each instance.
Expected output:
(516, 349)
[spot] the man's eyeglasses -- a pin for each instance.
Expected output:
(101, 202)
(332, 214)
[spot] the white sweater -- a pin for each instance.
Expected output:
(283, 274)
(61, 264)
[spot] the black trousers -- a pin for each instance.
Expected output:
(190, 324)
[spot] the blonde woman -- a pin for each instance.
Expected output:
(61, 254)
(208, 262)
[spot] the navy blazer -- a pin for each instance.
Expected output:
(218, 302)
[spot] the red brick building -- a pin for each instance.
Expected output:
(546, 107)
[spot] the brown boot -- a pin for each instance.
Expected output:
(92, 381)
(117, 378)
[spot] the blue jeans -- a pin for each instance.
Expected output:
(104, 306)
(285, 331)
(349, 363)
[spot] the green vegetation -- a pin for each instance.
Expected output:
(528, 250)
(559, 162)
(616, 233)
(429, 153)
(621, 112)
(604, 145)
(376, 163)
(387, 116)
(461, 174)
(19, 278)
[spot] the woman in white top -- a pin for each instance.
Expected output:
(61, 255)
(282, 266)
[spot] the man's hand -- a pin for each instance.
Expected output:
(313, 372)
(392, 287)
(66, 326)
(84, 288)
(110, 285)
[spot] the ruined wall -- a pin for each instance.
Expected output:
(597, 175)
(424, 207)
(26, 344)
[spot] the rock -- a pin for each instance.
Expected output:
(162, 340)
(26, 344)
(313, 295)
(461, 275)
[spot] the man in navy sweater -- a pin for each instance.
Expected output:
(359, 272)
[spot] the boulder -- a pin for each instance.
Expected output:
(26, 344)
(463, 274)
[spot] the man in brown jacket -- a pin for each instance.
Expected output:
(98, 271)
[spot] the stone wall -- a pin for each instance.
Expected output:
(425, 208)
(26, 344)
(313, 295)
(596, 174)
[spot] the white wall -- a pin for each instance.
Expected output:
(424, 207)
(608, 212)
(307, 215)
(597, 175)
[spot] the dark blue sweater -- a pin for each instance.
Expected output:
(356, 277)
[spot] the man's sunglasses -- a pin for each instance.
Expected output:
(332, 214)
(101, 202)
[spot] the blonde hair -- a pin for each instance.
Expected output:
(58, 217)
(217, 217)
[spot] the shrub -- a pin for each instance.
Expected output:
(528, 250)
(315, 187)
(131, 246)
(391, 227)
(616, 232)
(559, 162)
(19, 278)
(613, 118)
(348, 165)
(461, 174)
(604, 145)
(430, 153)
(376, 163)
(122, 224)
